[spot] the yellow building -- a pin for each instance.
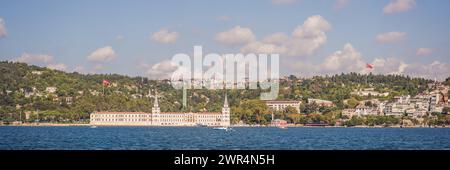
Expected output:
(279, 105)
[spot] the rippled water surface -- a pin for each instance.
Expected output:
(121, 138)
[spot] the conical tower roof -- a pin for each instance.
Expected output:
(225, 103)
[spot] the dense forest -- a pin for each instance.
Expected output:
(24, 89)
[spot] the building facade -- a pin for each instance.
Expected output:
(158, 118)
(278, 123)
(362, 110)
(278, 105)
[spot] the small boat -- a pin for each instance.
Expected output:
(201, 125)
(282, 127)
(222, 128)
(93, 126)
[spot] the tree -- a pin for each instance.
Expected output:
(291, 114)
(447, 81)
(352, 102)
(354, 121)
(253, 112)
(18, 78)
(446, 110)
(290, 110)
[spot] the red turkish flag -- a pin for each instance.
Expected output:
(369, 66)
(105, 83)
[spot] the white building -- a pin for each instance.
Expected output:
(281, 105)
(370, 92)
(362, 110)
(158, 118)
(36, 72)
(69, 100)
(320, 102)
(50, 89)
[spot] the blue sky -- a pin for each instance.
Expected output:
(397, 36)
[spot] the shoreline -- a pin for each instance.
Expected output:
(233, 126)
(48, 124)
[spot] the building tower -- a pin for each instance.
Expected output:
(225, 113)
(156, 111)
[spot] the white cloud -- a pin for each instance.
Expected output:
(435, 69)
(313, 26)
(390, 37)
(161, 70)
(276, 38)
(310, 36)
(41, 59)
(2, 28)
(283, 2)
(58, 66)
(350, 60)
(104, 54)
(388, 66)
(346, 60)
(396, 6)
(340, 4)
(164, 36)
(261, 47)
(79, 69)
(236, 35)
(34, 58)
(270, 44)
(424, 51)
(304, 40)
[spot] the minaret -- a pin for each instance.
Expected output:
(225, 104)
(156, 111)
(225, 112)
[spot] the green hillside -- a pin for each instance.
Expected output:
(23, 89)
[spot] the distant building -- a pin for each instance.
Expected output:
(94, 92)
(278, 123)
(362, 110)
(369, 92)
(279, 105)
(36, 72)
(136, 96)
(69, 100)
(417, 106)
(158, 118)
(321, 102)
(50, 89)
(28, 94)
(395, 109)
(55, 99)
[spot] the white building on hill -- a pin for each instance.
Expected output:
(279, 105)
